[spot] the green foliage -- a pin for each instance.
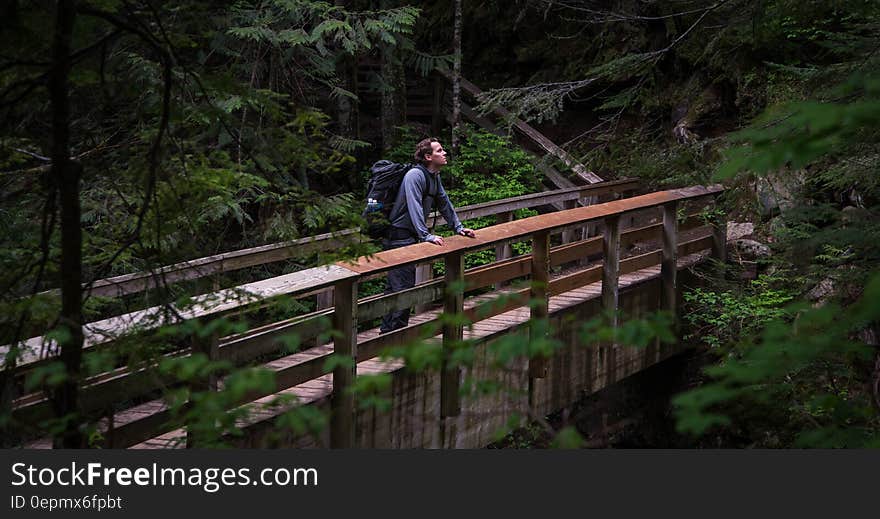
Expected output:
(787, 354)
(800, 133)
(720, 317)
(657, 164)
(489, 167)
(795, 370)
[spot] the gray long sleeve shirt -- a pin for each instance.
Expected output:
(411, 213)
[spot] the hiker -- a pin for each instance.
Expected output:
(420, 191)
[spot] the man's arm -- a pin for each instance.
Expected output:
(448, 211)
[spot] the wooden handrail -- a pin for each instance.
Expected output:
(520, 229)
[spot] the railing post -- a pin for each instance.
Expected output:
(210, 347)
(719, 239)
(453, 309)
(343, 418)
(610, 290)
(324, 300)
(503, 251)
(668, 266)
(424, 273)
(569, 235)
(539, 296)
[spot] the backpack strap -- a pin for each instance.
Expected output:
(433, 207)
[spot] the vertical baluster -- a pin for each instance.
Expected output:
(610, 291)
(453, 305)
(424, 273)
(503, 251)
(668, 269)
(324, 300)
(209, 346)
(342, 424)
(719, 239)
(571, 234)
(540, 296)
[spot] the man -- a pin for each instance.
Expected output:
(420, 191)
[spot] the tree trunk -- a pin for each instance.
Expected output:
(66, 176)
(456, 77)
(393, 92)
(344, 105)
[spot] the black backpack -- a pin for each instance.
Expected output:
(385, 180)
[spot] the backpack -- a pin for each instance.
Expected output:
(385, 180)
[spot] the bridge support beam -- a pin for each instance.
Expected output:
(453, 310)
(342, 402)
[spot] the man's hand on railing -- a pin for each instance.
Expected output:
(436, 240)
(467, 232)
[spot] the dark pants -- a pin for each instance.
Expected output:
(398, 279)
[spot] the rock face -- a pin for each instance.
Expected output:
(776, 192)
(751, 249)
(736, 230)
(694, 118)
(822, 291)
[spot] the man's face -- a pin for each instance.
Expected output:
(437, 158)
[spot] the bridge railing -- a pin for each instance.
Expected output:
(348, 310)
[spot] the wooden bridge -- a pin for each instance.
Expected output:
(630, 269)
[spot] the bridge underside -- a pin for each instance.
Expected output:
(413, 420)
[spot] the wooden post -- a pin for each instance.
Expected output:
(210, 347)
(569, 235)
(324, 300)
(503, 251)
(453, 305)
(343, 418)
(539, 296)
(424, 273)
(610, 290)
(611, 266)
(719, 239)
(668, 268)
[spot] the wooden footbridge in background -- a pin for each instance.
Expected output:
(632, 268)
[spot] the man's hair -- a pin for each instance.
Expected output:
(423, 148)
